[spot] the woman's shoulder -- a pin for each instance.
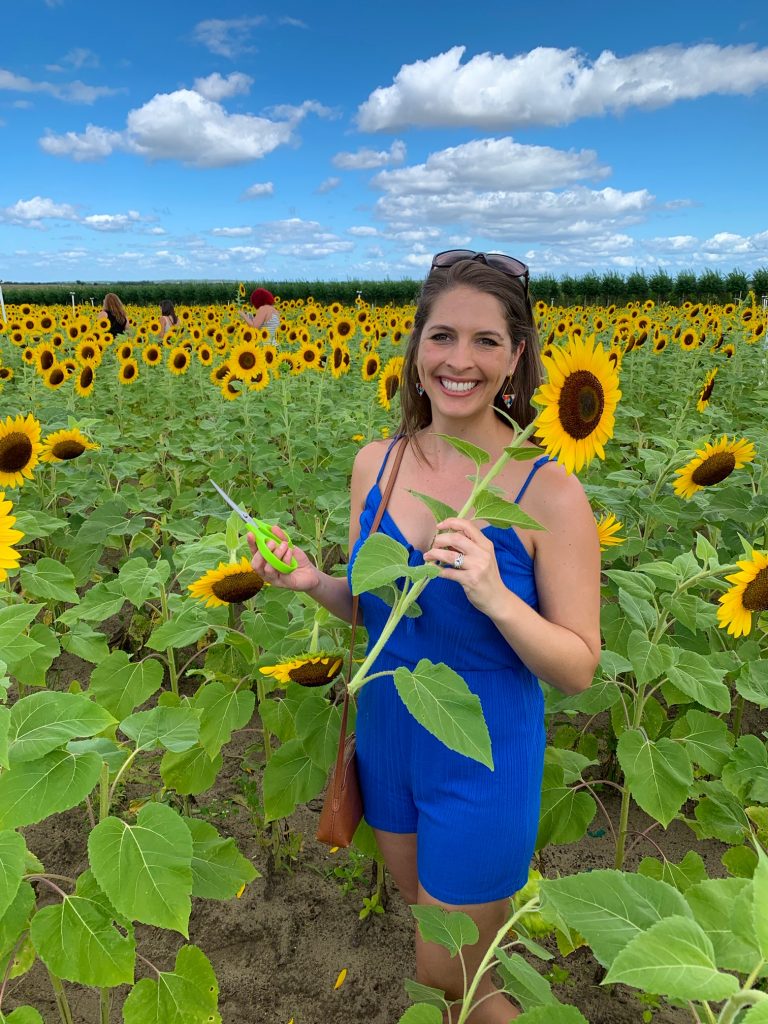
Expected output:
(370, 457)
(555, 495)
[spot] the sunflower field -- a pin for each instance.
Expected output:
(145, 665)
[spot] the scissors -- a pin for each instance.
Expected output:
(262, 532)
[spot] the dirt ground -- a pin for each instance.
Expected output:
(278, 950)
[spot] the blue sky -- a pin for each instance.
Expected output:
(339, 140)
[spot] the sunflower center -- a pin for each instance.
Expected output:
(69, 449)
(179, 361)
(56, 377)
(755, 596)
(581, 404)
(247, 360)
(316, 673)
(714, 469)
(86, 377)
(46, 360)
(15, 452)
(237, 587)
(706, 394)
(391, 384)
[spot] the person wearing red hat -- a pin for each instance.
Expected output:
(266, 315)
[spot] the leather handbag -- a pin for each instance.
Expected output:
(343, 804)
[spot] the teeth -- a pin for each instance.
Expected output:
(454, 385)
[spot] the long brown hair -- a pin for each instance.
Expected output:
(114, 306)
(416, 409)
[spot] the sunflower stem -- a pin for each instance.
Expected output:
(737, 716)
(171, 655)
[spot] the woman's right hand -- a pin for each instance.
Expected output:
(304, 577)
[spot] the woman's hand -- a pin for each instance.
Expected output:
(304, 577)
(478, 573)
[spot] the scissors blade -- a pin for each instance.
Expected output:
(236, 508)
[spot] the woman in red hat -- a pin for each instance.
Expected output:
(266, 315)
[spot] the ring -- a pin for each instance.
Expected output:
(459, 560)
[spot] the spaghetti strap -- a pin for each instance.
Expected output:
(539, 462)
(386, 457)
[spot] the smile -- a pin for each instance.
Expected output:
(458, 387)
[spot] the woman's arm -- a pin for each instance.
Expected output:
(247, 317)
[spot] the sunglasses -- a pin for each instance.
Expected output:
(506, 264)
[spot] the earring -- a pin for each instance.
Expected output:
(419, 389)
(508, 395)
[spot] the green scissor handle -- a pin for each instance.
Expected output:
(262, 532)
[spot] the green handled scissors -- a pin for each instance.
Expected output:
(262, 532)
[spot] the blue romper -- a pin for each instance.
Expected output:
(476, 829)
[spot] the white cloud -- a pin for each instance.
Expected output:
(497, 164)
(72, 92)
(260, 188)
(232, 232)
(293, 22)
(156, 231)
(216, 87)
(33, 212)
(362, 231)
(370, 159)
(302, 239)
(227, 37)
(79, 57)
(294, 114)
(111, 221)
(327, 186)
(93, 144)
(553, 87)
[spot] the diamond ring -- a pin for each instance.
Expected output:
(459, 560)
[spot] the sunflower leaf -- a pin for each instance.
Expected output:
(187, 995)
(379, 561)
(33, 790)
(190, 772)
(478, 456)
(502, 513)
(218, 867)
(43, 721)
(49, 580)
(659, 774)
(438, 508)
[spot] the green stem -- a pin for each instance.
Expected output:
(104, 792)
(623, 824)
(265, 733)
(62, 1003)
(170, 653)
(736, 1004)
(104, 1003)
(737, 716)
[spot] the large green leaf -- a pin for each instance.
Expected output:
(13, 855)
(712, 902)
(13, 621)
(222, 710)
(186, 627)
(438, 508)
(46, 720)
(673, 958)
(451, 929)
(99, 603)
(720, 815)
(22, 1015)
(706, 738)
(746, 774)
(219, 870)
(696, 676)
(609, 908)
(421, 1013)
(526, 986)
(78, 941)
(14, 922)
(187, 995)
(635, 582)
(290, 778)
(139, 582)
(50, 580)
(552, 1015)
(565, 814)
(120, 685)
(659, 774)
(760, 902)
(5, 725)
(756, 1015)
(175, 729)
(86, 643)
(440, 700)
(646, 658)
(145, 869)
(190, 772)
(379, 561)
(478, 455)
(639, 611)
(499, 512)
(34, 790)
(687, 873)
(318, 723)
(32, 667)
(752, 682)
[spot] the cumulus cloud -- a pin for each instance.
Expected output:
(498, 164)
(549, 86)
(79, 57)
(71, 92)
(111, 221)
(327, 186)
(93, 144)
(216, 87)
(370, 159)
(260, 188)
(295, 114)
(362, 231)
(302, 239)
(227, 37)
(232, 232)
(33, 212)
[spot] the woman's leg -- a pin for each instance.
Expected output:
(399, 853)
(435, 966)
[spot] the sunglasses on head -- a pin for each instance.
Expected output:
(506, 264)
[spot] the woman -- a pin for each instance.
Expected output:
(168, 318)
(266, 315)
(113, 311)
(509, 606)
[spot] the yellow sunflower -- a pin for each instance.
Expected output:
(370, 366)
(178, 360)
(306, 669)
(230, 583)
(389, 381)
(344, 328)
(6, 374)
(9, 559)
(607, 531)
(748, 595)
(65, 445)
(729, 350)
(711, 464)
(45, 358)
(205, 354)
(85, 380)
(706, 390)
(19, 449)
(246, 359)
(241, 290)
(129, 372)
(87, 351)
(578, 403)
(152, 354)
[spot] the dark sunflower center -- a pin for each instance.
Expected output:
(247, 360)
(15, 452)
(391, 384)
(343, 328)
(56, 377)
(237, 587)
(128, 372)
(86, 377)
(706, 394)
(755, 598)
(337, 357)
(69, 449)
(46, 360)
(714, 468)
(316, 673)
(87, 352)
(371, 367)
(180, 361)
(308, 355)
(581, 404)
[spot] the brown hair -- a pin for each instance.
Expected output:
(166, 309)
(416, 410)
(114, 306)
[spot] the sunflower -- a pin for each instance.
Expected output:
(204, 354)
(88, 351)
(706, 390)
(232, 387)
(337, 360)
(45, 357)
(129, 372)
(6, 374)
(65, 445)
(729, 350)
(578, 403)
(178, 360)
(389, 381)
(607, 530)
(748, 594)
(55, 377)
(660, 344)
(85, 379)
(19, 449)
(306, 669)
(9, 559)
(370, 366)
(124, 351)
(152, 354)
(689, 339)
(344, 327)
(247, 359)
(241, 290)
(230, 583)
(711, 464)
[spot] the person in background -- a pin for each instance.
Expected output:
(114, 311)
(168, 318)
(266, 315)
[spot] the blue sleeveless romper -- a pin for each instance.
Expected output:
(476, 828)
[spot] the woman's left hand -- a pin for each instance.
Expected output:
(468, 558)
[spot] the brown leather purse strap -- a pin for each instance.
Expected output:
(338, 773)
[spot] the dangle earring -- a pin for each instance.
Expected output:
(508, 395)
(419, 389)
